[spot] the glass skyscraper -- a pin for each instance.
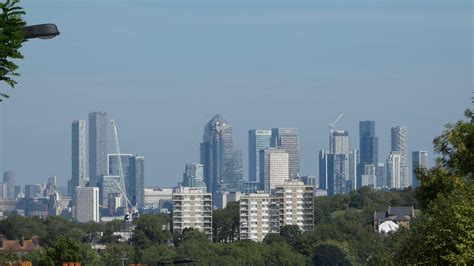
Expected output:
(97, 144)
(133, 168)
(193, 175)
(221, 162)
(369, 147)
(287, 139)
(259, 139)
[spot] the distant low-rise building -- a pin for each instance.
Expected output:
(401, 216)
(153, 196)
(20, 247)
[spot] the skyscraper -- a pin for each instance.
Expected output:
(400, 144)
(337, 174)
(419, 160)
(323, 169)
(9, 179)
(381, 175)
(368, 145)
(87, 204)
(259, 139)
(97, 144)
(287, 139)
(193, 175)
(133, 168)
(394, 171)
(339, 147)
(354, 161)
(215, 149)
(274, 168)
(233, 171)
(78, 154)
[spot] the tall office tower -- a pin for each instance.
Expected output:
(255, 216)
(310, 180)
(51, 186)
(296, 204)
(381, 177)
(97, 144)
(33, 191)
(354, 161)
(369, 179)
(78, 154)
(394, 171)
(419, 160)
(108, 184)
(337, 173)
(368, 143)
(192, 208)
(259, 139)
(9, 179)
(323, 169)
(287, 139)
(233, 171)
(400, 144)
(193, 175)
(215, 149)
(133, 168)
(274, 168)
(87, 204)
(137, 181)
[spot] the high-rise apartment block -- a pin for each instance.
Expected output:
(259, 139)
(192, 208)
(97, 144)
(274, 168)
(255, 216)
(296, 202)
(193, 175)
(78, 154)
(369, 178)
(87, 204)
(291, 203)
(287, 139)
(10, 179)
(338, 162)
(394, 171)
(419, 160)
(400, 144)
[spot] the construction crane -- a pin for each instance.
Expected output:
(121, 185)
(333, 124)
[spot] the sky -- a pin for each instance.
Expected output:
(162, 69)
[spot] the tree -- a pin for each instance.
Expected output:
(327, 254)
(225, 223)
(444, 234)
(11, 40)
(151, 229)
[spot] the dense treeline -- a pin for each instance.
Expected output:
(343, 232)
(443, 233)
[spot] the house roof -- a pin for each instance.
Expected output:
(397, 211)
(380, 216)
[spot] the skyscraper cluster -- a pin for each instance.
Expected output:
(342, 170)
(104, 172)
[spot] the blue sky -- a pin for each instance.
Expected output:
(161, 69)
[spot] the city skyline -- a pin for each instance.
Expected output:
(324, 71)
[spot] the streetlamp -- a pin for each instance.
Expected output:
(42, 31)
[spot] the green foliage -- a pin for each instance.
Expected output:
(327, 254)
(11, 39)
(150, 230)
(444, 234)
(225, 223)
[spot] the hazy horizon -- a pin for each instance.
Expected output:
(162, 69)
